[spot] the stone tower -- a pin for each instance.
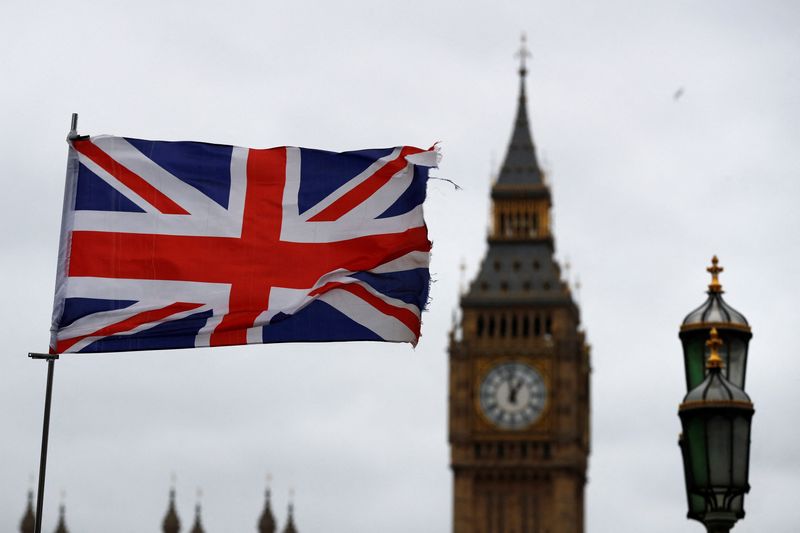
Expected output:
(519, 368)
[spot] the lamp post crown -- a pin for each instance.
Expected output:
(715, 312)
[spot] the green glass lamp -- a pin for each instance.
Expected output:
(732, 328)
(716, 418)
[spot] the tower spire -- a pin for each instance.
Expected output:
(266, 523)
(520, 166)
(523, 54)
(290, 527)
(27, 524)
(198, 526)
(172, 523)
(62, 523)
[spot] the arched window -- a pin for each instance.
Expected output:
(526, 327)
(480, 325)
(514, 326)
(537, 326)
(548, 325)
(502, 326)
(491, 326)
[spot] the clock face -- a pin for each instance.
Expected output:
(513, 395)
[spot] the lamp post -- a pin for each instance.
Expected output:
(715, 445)
(716, 413)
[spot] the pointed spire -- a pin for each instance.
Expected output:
(62, 523)
(266, 523)
(197, 527)
(523, 54)
(290, 527)
(520, 166)
(172, 523)
(28, 522)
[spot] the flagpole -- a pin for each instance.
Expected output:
(51, 359)
(48, 395)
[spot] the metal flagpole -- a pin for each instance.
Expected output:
(51, 359)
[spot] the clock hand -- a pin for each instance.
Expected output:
(513, 390)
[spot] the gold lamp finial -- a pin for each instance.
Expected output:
(714, 343)
(714, 270)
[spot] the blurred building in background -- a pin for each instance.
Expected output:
(519, 367)
(171, 522)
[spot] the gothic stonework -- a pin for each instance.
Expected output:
(519, 369)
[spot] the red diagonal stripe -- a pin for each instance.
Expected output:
(405, 316)
(130, 323)
(131, 180)
(365, 189)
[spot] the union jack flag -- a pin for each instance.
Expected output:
(186, 244)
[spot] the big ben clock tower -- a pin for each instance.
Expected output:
(519, 368)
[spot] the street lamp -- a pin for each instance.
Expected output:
(715, 444)
(732, 327)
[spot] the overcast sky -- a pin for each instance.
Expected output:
(646, 188)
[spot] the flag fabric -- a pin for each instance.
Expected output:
(187, 244)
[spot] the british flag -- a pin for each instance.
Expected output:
(187, 244)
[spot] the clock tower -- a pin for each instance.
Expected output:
(519, 368)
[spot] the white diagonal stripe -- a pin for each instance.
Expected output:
(206, 218)
(370, 209)
(385, 326)
(115, 183)
(78, 346)
(351, 184)
(409, 261)
(177, 190)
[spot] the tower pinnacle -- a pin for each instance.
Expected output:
(266, 523)
(520, 165)
(27, 523)
(523, 54)
(197, 527)
(62, 523)
(171, 523)
(290, 527)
